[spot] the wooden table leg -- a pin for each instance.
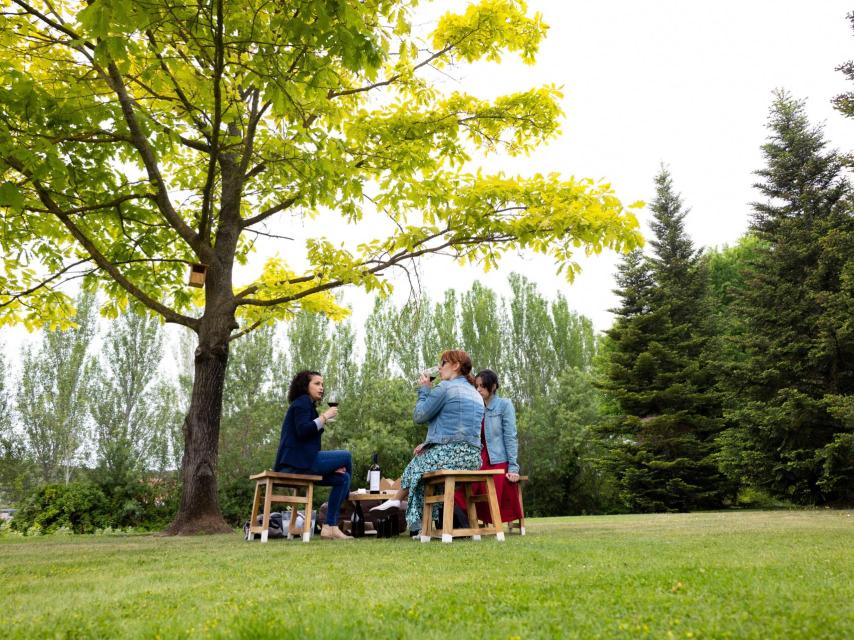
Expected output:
(309, 502)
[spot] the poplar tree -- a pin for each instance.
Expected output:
(125, 404)
(51, 400)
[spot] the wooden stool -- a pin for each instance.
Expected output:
(292, 483)
(520, 523)
(449, 478)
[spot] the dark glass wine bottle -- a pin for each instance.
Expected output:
(374, 475)
(357, 522)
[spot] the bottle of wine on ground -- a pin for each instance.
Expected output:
(357, 522)
(374, 475)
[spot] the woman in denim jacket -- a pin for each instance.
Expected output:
(500, 449)
(454, 411)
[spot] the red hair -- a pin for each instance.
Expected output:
(458, 356)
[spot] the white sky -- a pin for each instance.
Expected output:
(646, 82)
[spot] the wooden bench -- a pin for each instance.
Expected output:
(293, 484)
(448, 479)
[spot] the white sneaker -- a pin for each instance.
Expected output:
(388, 504)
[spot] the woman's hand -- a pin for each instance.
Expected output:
(341, 470)
(330, 413)
(512, 477)
(417, 450)
(424, 380)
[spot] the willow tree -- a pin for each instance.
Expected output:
(139, 137)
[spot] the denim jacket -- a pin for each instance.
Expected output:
(500, 431)
(454, 411)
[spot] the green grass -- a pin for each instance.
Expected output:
(783, 574)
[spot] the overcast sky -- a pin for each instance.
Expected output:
(645, 82)
(684, 83)
(688, 84)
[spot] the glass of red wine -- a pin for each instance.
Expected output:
(332, 402)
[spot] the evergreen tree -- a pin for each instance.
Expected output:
(662, 446)
(844, 102)
(790, 432)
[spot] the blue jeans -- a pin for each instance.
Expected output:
(325, 465)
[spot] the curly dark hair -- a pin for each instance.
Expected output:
(299, 385)
(488, 379)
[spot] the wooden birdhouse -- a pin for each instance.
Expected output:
(197, 275)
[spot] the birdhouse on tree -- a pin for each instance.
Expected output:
(197, 275)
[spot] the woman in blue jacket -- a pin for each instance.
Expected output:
(454, 412)
(500, 450)
(299, 447)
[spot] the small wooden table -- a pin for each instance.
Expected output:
(356, 497)
(366, 497)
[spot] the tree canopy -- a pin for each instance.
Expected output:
(136, 138)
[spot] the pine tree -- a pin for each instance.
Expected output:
(662, 446)
(791, 433)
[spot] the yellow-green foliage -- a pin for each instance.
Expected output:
(137, 138)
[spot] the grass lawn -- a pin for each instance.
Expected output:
(782, 574)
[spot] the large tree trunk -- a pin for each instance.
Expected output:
(199, 509)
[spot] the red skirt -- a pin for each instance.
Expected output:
(508, 493)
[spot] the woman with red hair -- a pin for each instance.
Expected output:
(454, 411)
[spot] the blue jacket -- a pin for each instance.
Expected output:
(454, 410)
(499, 430)
(300, 439)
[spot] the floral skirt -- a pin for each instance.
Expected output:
(454, 455)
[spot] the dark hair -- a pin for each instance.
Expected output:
(458, 356)
(299, 385)
(489, 379)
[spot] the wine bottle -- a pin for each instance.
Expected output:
(374, 475)
(357, 522)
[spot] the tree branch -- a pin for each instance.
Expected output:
(248, 222)
(42, 284)
(395, 78)
(140, 142)
(99, 258)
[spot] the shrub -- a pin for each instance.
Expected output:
(79, 506)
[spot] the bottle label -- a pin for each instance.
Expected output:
(374, 480)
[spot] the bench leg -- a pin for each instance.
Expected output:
(448, 511)
(256, 501)
(494, 511)
(265, 522)
(426, 516)
(292, 523)
(521, 510)
(309, 501)
(471, 509)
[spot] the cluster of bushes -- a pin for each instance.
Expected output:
(87, 507)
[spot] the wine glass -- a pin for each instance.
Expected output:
(432, 373)
(332, 402)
